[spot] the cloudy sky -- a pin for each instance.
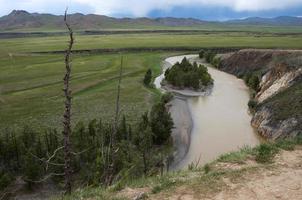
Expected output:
(202, 9)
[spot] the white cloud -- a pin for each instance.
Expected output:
(143, 7)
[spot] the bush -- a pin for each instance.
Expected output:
(209, 56)
(5, 180)
(32, 170)
(252, 104)
(252, 80)
(201, 53)
(286, 144)
(265, 153)
(207, 168)
(166, 98)
(216, 62)
(148, 77)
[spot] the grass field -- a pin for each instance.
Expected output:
(44, 44)
(31, 87)
(31, 84)
(206, 27)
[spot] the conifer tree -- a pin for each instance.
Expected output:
(148, 77)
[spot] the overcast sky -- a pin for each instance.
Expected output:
(202, 9)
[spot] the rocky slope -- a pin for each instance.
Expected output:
(278, 109)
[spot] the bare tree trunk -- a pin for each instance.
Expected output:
(112, 145)
(67, 113)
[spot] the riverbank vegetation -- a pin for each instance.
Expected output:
(210, 57)
(187, 75)
(235, 167)
(142, 149)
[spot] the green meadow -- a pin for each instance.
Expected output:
(58, 43)
(31, 87)
(31, 84)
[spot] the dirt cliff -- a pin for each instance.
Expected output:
(278, 96)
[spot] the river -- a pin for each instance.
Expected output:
(220, 120)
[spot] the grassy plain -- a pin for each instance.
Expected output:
(31, 84)
(31, 87)
(58, 43)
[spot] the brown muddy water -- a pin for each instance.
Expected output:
(220, 121)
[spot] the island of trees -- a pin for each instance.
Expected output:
(186, 75)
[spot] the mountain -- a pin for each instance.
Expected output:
(280, 21)
(23, 20)
(20, 19)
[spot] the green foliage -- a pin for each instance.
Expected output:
(201, 54)
(287, 144)
(161, 122)
(209, 56)
(5, 179)
(166, 97)
(252, 80)
(237, 156)
(32, 170)
(216, 62)
(163, 184)
(187, 75)
(252, 104)
(148, 77)
(266, 152)
(287, 104)
(206, 168)
(137, 152)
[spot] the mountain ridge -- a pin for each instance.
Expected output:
(21, 19)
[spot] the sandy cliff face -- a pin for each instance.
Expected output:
(278, 113)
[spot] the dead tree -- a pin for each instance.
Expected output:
(67, 113)
(112, 150)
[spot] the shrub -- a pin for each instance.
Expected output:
(252, 104)
(148, 77)
(265, 153)
(286, 144)
(216, 62)
(201, 54)
(166, 98)
(209, 56)
(206, 168)
(252, 80)
(5, 180)
(164, 183)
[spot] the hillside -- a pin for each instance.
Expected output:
(282, 20)
(20, 19)
(23, 20)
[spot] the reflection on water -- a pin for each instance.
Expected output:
(221, 122)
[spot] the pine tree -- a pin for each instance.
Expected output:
(144, 140)
(161, 123)
(31, 170)
(148, 77)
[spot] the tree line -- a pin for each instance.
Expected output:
(142, 149)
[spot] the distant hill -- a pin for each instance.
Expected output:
(277, 21)
(20, 19)
(23, 20)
